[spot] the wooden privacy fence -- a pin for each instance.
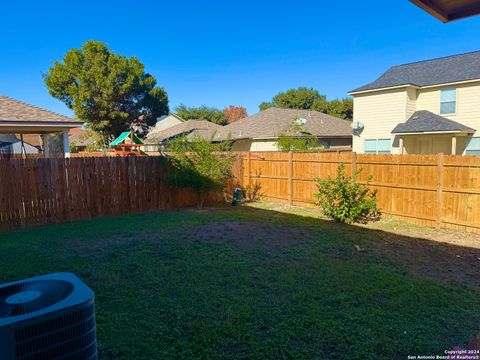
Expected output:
(42, 191)
(430, 190)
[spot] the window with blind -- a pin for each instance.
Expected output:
(377, 146)
(448, 101)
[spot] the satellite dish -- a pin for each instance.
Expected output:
(357, 125)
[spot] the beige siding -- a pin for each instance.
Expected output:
(434, 144)
(166, 123)
(380, 112)
(411, 102)
(468, 103)
(254, 145)
(264, 145)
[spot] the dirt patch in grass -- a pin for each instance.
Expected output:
(249, 235)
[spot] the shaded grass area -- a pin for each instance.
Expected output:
(213, 284)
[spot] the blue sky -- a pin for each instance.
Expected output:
(227, 52)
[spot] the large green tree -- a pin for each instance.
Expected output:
(304, 98)
(202, 112)
(342, 108)
(106, 90)
(301, 98)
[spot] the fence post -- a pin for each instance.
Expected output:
(439, 188)
(249, 166)
(290, 178)
(354, 162)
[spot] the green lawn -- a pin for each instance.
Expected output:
(253, 283)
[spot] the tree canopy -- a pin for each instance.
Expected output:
(202, 112)
(234, 113)
(310, 99)
(106, 90)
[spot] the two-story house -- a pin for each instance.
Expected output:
(426, 107)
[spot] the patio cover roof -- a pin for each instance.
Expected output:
(449, 10)
(17, 117)
(426, 122)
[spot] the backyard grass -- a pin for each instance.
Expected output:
(252, 282)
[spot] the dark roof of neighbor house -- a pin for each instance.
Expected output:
(273, 122)
(425, 121)
(443, 70)
(449, 10)
(185, 127)
(12, 110)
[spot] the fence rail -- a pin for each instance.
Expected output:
(430, 190)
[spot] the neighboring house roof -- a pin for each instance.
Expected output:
(164, 122)
(443, 70)
(449, 10)
(32, 139)
(124, 136)
(427, 122)
(80, 137)
(16, 116)
(170, 114)
(273, 122)
(184, 128)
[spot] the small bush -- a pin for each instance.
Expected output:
(345, 200)
(253, 191)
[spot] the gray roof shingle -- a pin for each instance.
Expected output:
(18, 111)
(273, 122)
(425, 121)
(443, 70)
(185, 128)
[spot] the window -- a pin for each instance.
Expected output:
(473, 146)
(448, 101)
(377, 146)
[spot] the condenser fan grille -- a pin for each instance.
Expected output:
(30, 296)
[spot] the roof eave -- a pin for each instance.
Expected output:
(34, 127)
(435, 132)
(356, 92)
(444, 16)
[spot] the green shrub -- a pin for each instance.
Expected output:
(253, 191)
(200, 164)
(345, 200)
